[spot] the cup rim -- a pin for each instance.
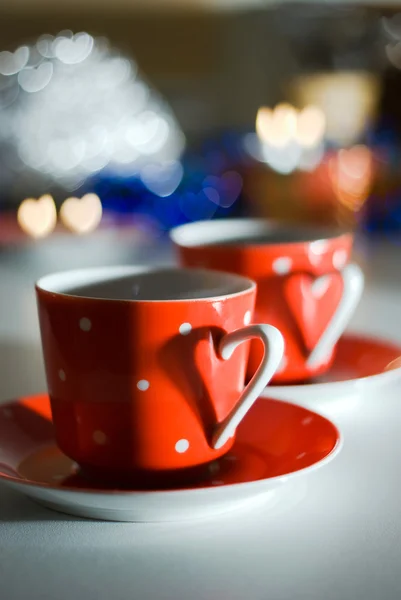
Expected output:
(47, 284)
(211, 231)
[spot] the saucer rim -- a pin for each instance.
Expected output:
(277, 479)
(304, 388)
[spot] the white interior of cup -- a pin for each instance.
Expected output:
(240, 231)
(145, 284)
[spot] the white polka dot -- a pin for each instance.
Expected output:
(143, 385)
(282, 265)
(99, 437)
(318, 247)
(320, 286)
(185, 328)
(62, 375)
(85, 324)
(247, 317)
(307, 421)
(339, 259)
(182, 446)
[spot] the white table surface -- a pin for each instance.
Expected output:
(333, 534)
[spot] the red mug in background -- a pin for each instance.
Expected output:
(142, 364)
(307, 287)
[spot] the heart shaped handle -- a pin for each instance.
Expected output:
(274, 349)
(353, 280)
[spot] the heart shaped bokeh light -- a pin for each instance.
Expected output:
(94, 109)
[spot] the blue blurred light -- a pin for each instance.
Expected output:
(204, 185)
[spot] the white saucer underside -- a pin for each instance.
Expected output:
(152, 507)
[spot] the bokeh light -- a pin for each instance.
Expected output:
(351, 173)
(81, 215)
(287, 138)
(71, 105)
(310, 127)
(37, 218)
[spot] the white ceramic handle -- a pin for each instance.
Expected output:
(353, 280)
(274, 349)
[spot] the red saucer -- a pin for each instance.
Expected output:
(358, 357)
(275, 439)
(361, 362)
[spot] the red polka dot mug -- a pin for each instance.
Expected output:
(307, 287)
(146, 367)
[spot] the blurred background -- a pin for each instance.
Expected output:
(120, 120)
(162, 112)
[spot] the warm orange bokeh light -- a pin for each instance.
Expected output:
(285, 124)
(351, 173)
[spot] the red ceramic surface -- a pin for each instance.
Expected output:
(299, 285)
(274, 439)
(359, 357)
(312, 303)
(139, 385)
